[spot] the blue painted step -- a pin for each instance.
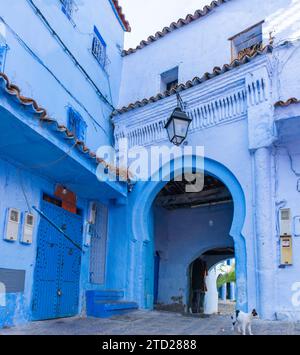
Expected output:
(105, 304)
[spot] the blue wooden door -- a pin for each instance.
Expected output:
(57, 270)
(70, 267)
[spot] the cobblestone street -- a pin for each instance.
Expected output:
(150, 323)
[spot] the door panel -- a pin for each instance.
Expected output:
(57, 271)
(70, 270)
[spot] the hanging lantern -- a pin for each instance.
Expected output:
(178, 124)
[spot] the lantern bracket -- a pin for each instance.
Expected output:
(180, 102)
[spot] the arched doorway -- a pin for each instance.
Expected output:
(185, 224)
(142, 249)
(207, 275)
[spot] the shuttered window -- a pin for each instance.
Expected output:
(99, 246)
(99, 48)
(246, 40)
(76, 124)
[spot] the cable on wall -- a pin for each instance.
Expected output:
(66, 49)
(36, 58)
(24, 192)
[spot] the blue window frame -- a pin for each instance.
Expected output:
(3, 49)
(76, 124)
(99, 48)
(68, 7)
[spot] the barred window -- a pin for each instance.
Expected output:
(99, 48)
(76, 124)
(68, 7)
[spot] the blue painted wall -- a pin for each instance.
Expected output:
(199, 47)
(179, 244)
(22, 257)
(17, 185)
(254, 146)
(38, 63)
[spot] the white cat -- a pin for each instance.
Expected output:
(243, 321)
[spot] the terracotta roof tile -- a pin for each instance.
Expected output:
(121, 15)
(289, 102)
(176, 25)
(15, 91)
(196, 81)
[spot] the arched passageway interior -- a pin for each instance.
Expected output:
(212, 287)
(189, 228)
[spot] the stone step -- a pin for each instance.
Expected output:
(103, 295)
(105, 304)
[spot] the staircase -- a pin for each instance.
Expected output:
(105, 304)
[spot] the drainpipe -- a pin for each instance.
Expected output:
(264, 232)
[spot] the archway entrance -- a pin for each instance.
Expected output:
(187, 224)
(224, 196)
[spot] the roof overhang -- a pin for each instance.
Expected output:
(198, 81)
(120, 15)
(287, 120)
(43, 149)
(177, 25)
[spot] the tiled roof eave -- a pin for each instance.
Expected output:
(176, 25)
(217, 71)
(288, 102)
(41, 113)
(121, 15)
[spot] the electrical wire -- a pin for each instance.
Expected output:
(66, 49)
(24, 192)
(36, 58)
(293, 169)
(34, 167)
(47, 24)
(54, 162)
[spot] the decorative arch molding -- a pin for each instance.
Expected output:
(141, 268)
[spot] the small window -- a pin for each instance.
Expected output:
(169, 79)
(68, 8)
(99, 48)
(172, 84)
(76, 124)
(246, 41)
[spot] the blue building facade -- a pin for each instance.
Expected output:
(236, 77)
(68, 87)
(65, 59)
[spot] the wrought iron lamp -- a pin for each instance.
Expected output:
(178, 124)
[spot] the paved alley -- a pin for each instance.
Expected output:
(149, 323)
